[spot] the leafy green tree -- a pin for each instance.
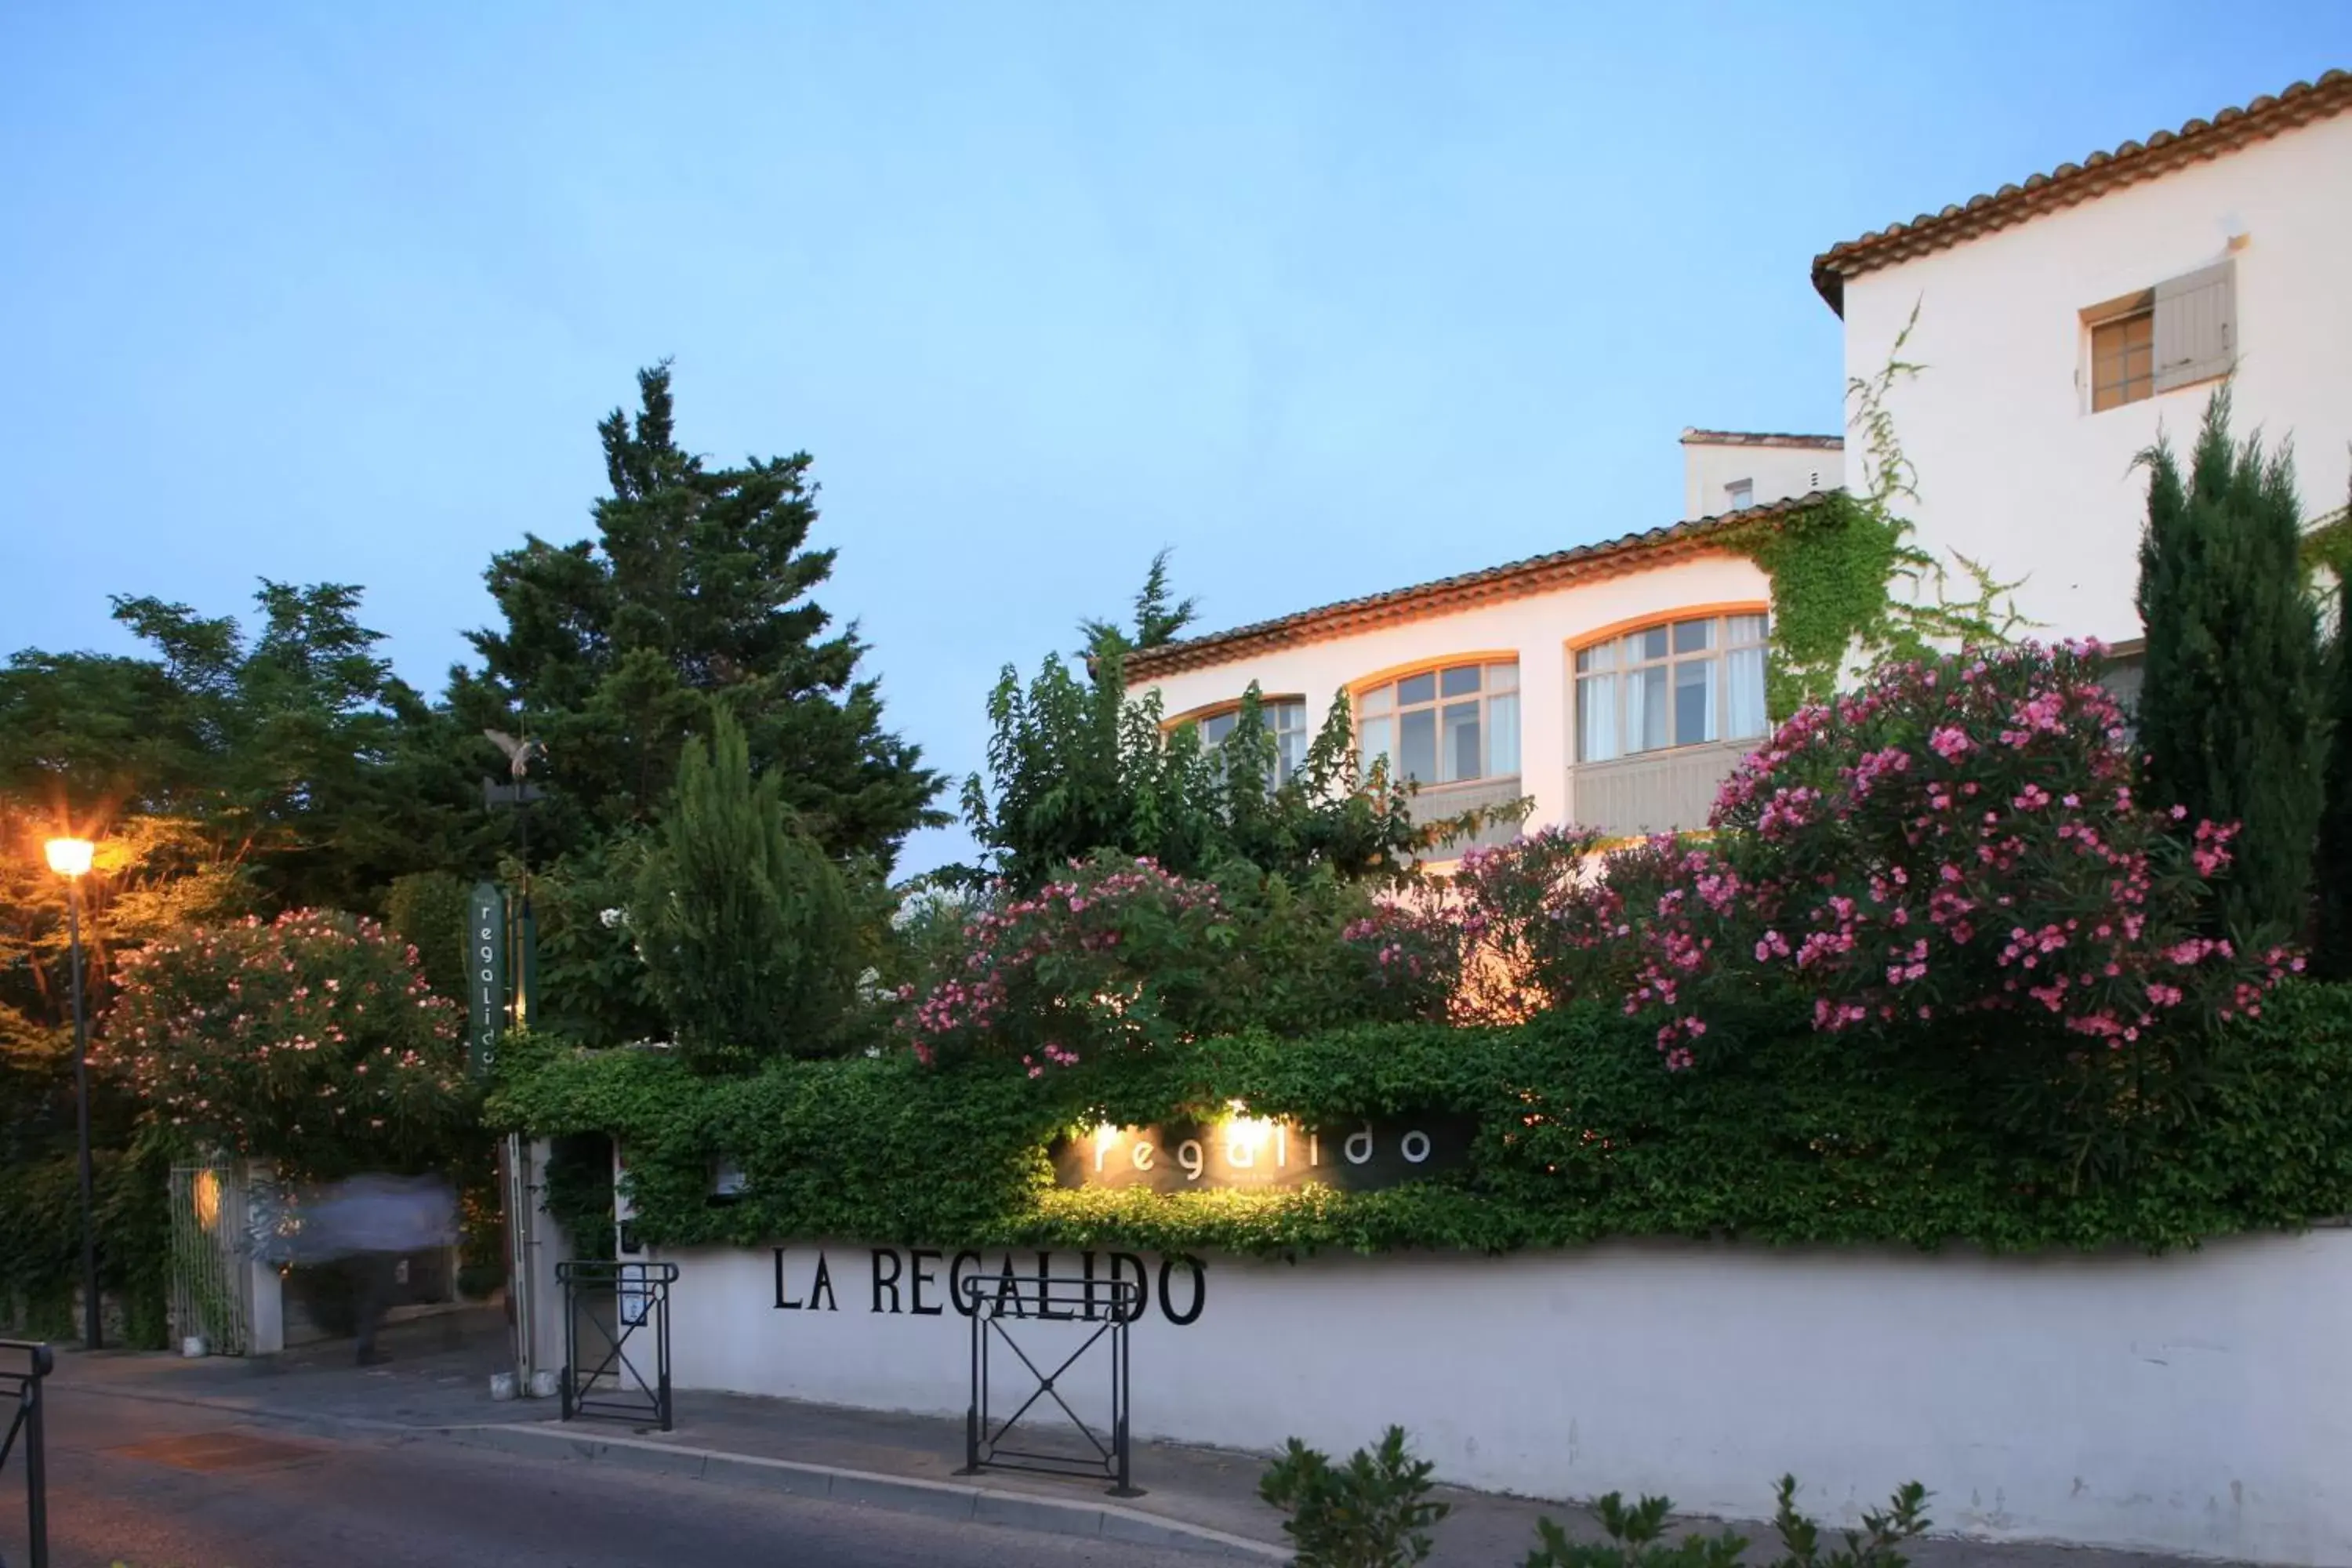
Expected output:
(1077, 767)
(745, 926)
(691, 600)
(2229, 713)
(151, 874)
(286, 747)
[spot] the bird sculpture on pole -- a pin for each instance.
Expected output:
(518, 752)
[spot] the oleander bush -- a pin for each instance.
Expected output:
(312, 1040)
(1121, 958)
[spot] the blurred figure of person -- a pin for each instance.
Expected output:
(374, 1221)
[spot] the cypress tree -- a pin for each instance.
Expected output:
(2229, 718)
(2331, 953)
(745, 926)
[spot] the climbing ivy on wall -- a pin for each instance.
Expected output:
(1799, 1138)
(1830, 567)
(1835, 567)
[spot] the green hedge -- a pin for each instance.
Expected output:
(1583, 1136)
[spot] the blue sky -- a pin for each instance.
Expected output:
(1330, 298)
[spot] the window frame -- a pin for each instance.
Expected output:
(2191, 332)
(1396, 675)
(1284, 767)
(1719, 651)
(2108, 315)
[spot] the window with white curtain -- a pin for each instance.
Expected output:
(1447, 725)
(1677, 683)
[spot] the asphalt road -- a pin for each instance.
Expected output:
(155, 1485)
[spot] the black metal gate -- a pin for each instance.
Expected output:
(1108, 1305)
(606, 1306)
(20, 1386)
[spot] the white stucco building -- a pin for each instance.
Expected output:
(2066, 322)
(2064, 325)
(1730, 470)
(1615, 683)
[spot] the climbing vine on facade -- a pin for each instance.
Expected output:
(1849, 584)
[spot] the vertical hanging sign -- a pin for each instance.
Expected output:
(486, 973)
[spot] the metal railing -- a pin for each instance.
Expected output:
(1110, 1306)
(20, 1386)
(617, 1387)
(211, 1224)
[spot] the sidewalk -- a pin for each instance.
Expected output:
(438, 1376)
(437, 1384)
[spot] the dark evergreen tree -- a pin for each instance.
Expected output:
(750, 945)
(2229, 711)
(692, 599)
(1160, 618)
(2331, 953)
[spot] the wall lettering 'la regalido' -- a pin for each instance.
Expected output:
(931, 1282)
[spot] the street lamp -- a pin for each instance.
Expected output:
(70, 859)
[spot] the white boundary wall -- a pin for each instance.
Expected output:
(2200, 1403)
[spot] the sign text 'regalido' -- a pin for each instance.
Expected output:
(1244, 1153)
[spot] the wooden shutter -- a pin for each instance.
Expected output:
(2196, 326)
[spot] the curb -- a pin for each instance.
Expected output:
(905, 1494)
(319, 1423)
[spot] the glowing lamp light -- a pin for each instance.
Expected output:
(69, 857)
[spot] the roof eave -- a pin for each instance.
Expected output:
(1695, 537)
(2070, 184)
(1830, 284)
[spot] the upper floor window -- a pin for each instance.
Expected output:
(2181, 332)
(1285, 721)
(1678, 683)
(2123, 359)
(1739, 495)
(1447, 725)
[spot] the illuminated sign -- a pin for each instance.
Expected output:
(486, 973)
(1244, 1152)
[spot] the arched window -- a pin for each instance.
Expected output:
(1446, 724)
(1675, 682)
(1285, 721)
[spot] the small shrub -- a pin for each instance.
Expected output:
(1634, 1537)
(1373, 1512)
(1634, 1541)
(1877, 1545)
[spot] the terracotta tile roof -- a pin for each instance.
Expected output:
(1470, 590)
(1696, 437)
(2071, 183)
